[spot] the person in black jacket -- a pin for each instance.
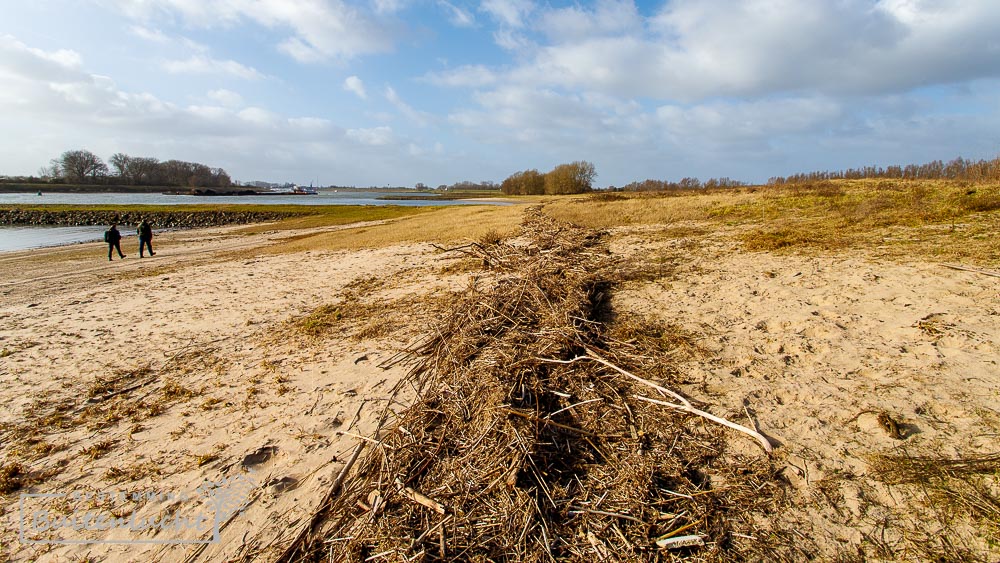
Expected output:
(113, 238)
(145, 233)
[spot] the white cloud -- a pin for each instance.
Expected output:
(511, 41)
(225, 97)
(511, 13)
(354, 84)
(418, 117)
(700, 49)
(18, 57)
(389, 6)
(458, 17)
(609, 17)
(153, 35)
(466, 76)
(50, 105)
(200, 64)
(320, 29)
(547, 119)
(259, 116)
(375, 136)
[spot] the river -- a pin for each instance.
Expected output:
(23, 238)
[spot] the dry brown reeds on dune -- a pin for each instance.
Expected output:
(528, 440)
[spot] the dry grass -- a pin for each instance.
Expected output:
(361, 313)
(332, 215)
(928, 219)
(12, 476)
(98, 450)
(950, 489)
(132, 472)
(439, 225)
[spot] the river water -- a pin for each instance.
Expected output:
(23, 238)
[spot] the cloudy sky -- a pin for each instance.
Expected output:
(376, 92)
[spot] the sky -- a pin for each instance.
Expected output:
(396, 92)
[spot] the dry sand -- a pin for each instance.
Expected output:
(814, 346)
(264, 395)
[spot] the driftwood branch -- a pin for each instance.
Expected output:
(718, 419)
(595, 358)
(682, 404)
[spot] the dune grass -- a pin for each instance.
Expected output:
(937, 219)
(332, 215)
(444, 225)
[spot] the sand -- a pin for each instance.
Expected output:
(264, 395)
(814, 347)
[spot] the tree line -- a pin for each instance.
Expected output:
(683, 184)
(85, 167)
(957, 169)
(573, 178)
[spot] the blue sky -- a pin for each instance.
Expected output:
(377, 92)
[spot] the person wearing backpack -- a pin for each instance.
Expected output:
(113, 238)
(145, 233)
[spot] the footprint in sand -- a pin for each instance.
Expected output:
(278, 486)
(262, 455)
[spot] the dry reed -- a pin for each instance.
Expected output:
(513, 452)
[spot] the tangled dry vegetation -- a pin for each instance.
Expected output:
(532, 440)
(949, 488)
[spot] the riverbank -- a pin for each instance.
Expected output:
(192, 216)
(256, 350)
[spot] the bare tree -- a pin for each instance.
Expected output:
(122, 163)
(143, 169)
(82, 166)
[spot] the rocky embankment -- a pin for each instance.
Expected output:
(159, 219)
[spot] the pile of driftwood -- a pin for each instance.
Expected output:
(538, 435)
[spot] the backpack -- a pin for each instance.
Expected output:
(107, 236)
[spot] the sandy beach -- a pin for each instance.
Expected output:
(240, 379)
(209, 361)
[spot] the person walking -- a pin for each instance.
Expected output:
(145, 233)
(113, 238)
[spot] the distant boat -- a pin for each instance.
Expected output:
(39, 192)
(299, 190)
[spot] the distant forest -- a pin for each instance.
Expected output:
(958, 169)
(85, 167)
(81, 167)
